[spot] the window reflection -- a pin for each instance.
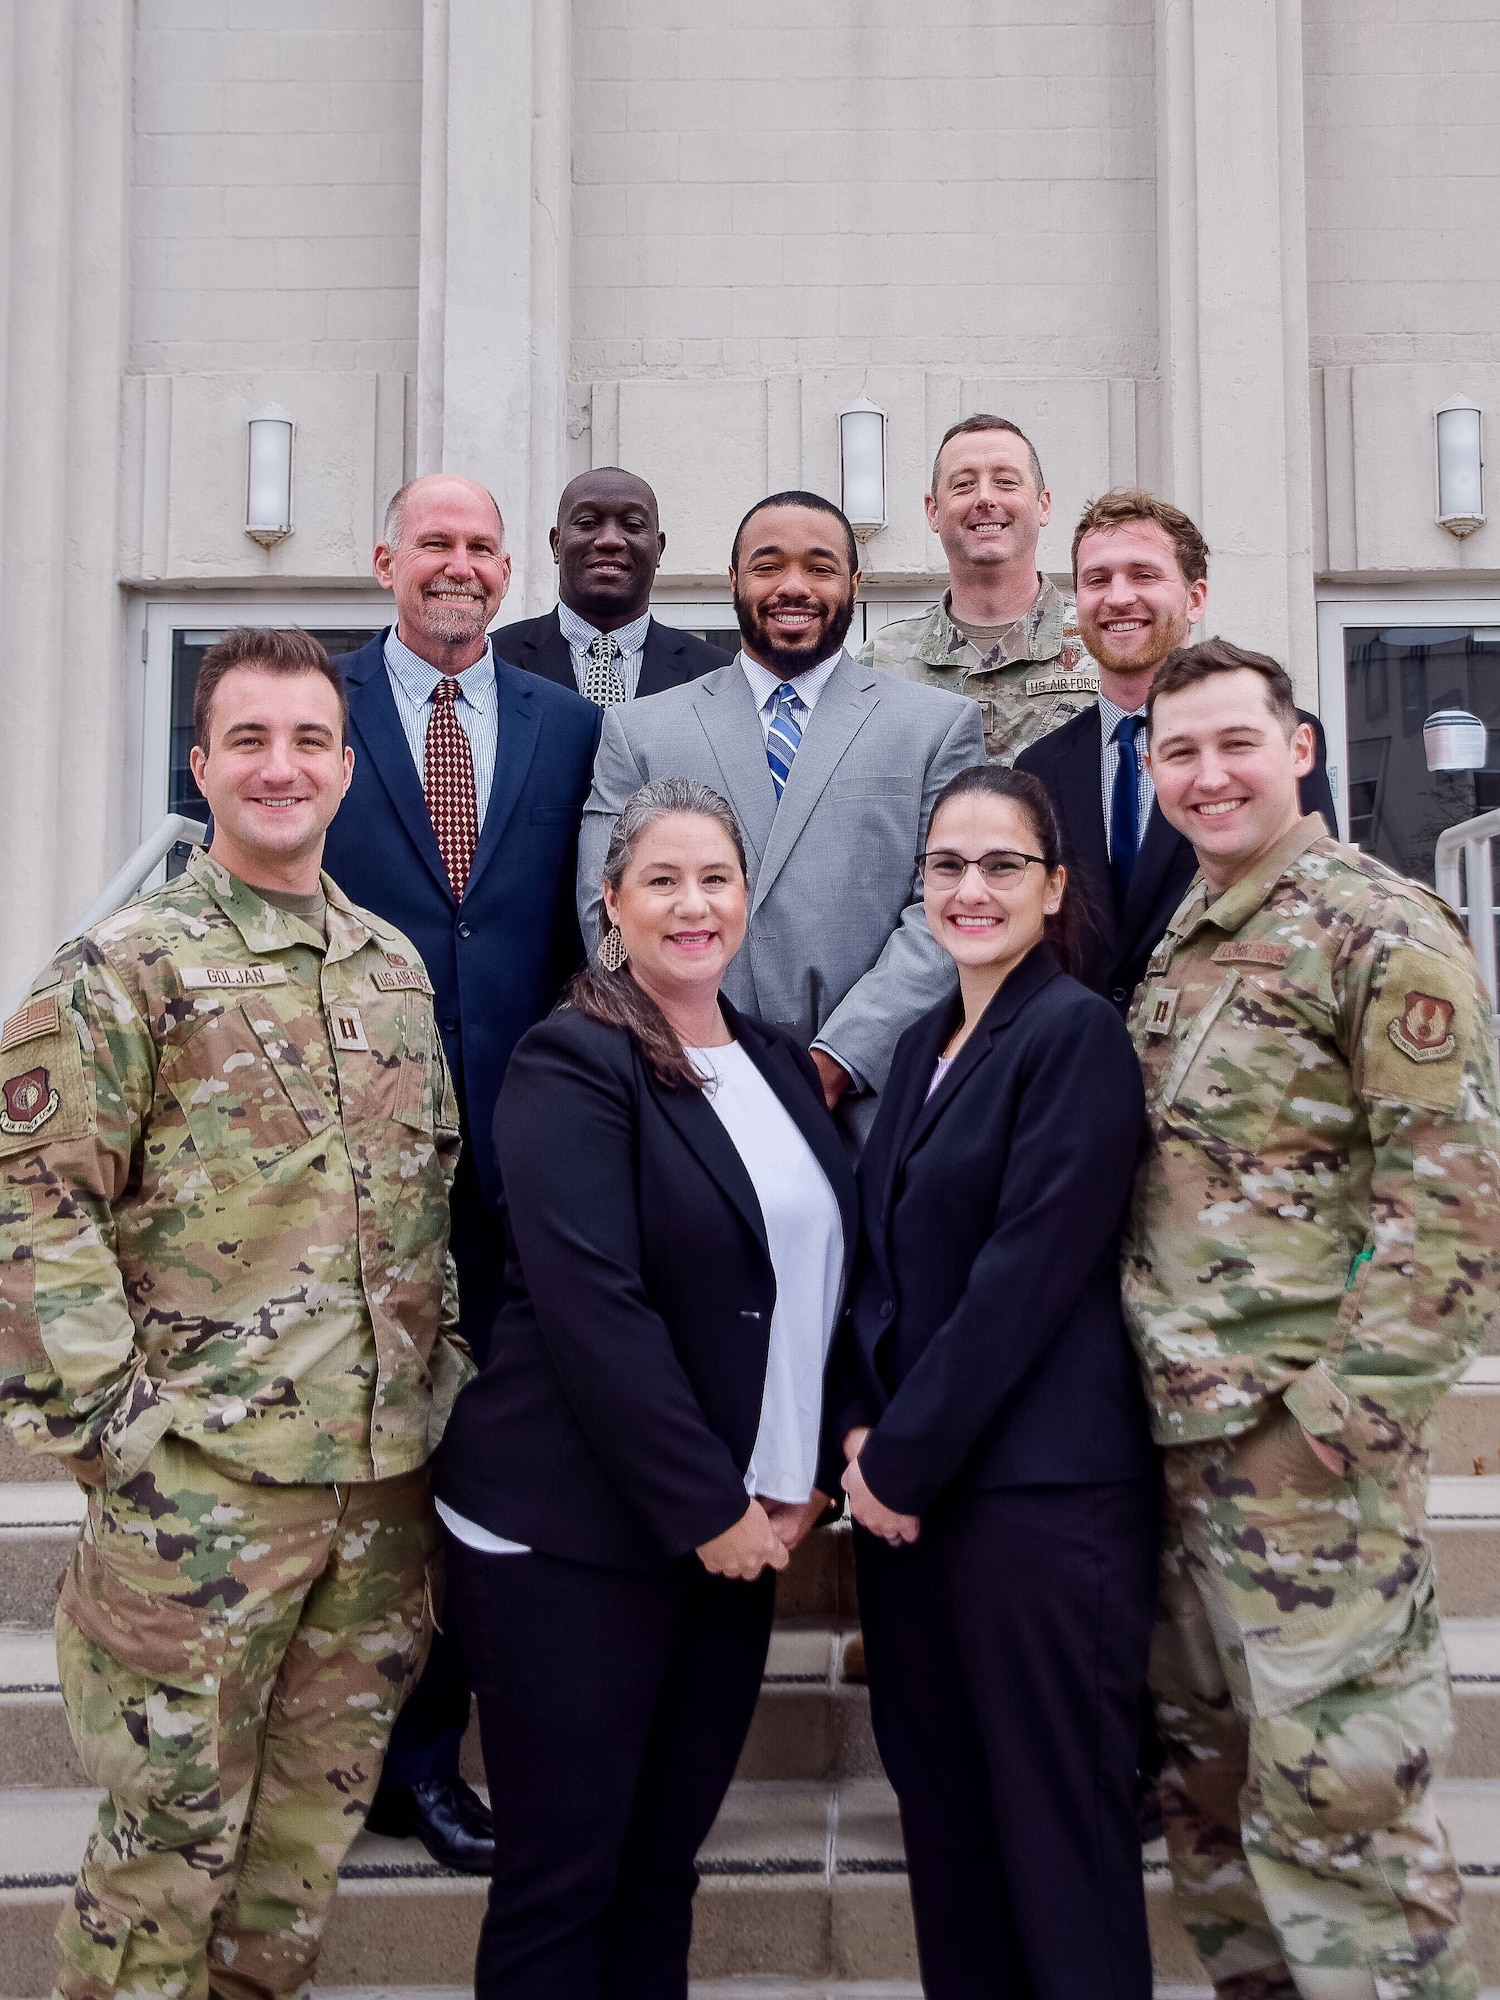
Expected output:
(1397, 807)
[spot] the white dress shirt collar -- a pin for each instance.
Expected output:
(765, 685)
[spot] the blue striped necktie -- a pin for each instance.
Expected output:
(784, 735)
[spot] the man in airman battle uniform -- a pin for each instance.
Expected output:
(1313, 1257)
(226, 1139)
(1003, 634)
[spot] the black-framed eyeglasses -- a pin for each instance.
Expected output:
(1003, 869)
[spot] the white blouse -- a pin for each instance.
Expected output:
(806, 1238)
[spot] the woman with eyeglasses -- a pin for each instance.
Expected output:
(999, 1467)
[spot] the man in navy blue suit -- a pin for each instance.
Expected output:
(461, 827)
(1140, 568)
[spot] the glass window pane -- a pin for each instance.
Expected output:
(1396, 677)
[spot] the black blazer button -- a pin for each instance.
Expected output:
(465, 930)
(887, 1307)
(1118, 993)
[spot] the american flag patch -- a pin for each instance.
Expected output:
(36, 1018)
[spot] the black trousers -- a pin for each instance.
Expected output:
(1006, 1652)
(430, 1728)
(613, 1706)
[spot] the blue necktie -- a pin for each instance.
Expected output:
(784, 736)
(1124, 816)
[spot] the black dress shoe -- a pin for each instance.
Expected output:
(449, 1818)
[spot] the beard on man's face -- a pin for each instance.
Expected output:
(823, 636)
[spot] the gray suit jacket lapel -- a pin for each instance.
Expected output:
(837, 718)
(726, 710)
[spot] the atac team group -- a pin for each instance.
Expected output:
(597, 1108)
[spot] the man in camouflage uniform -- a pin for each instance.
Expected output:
(1313, 1257)
(1003, 634)
(226, 1139)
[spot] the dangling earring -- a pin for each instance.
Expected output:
(612, 953)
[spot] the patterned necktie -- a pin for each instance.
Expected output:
(603, 679)
(1124, 815)
(784, 736)
(448, 781)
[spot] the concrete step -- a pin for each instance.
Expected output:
(810, 1723)
(1464, 1430)
(21, 1467)
(39, 1520)
(800, 1882)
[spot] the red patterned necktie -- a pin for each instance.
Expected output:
(448, 781)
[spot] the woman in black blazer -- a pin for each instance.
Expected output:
(1000, 1470)
(640, 1453)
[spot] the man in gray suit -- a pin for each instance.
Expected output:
(832, 769)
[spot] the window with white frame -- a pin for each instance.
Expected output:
(176, 637)
(1386, 665)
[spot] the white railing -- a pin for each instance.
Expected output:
(137, 871)
(1466, 882)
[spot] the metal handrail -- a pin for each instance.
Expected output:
(1466, 882)
(146, 859)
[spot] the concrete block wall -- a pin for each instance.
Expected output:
(1403, 247)
(275, 188)
(1403, 181)
(957, 185)
(274, 252)
(776, 211)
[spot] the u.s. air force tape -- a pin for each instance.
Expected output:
(1253, 951)
(198, 977)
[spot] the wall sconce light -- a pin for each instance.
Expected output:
(862, 465)
(268, 486)
(1459, 436)
(1455, 740)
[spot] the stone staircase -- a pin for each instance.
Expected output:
(804, 1892)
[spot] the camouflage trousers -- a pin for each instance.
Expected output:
(232, 1659)
(1302, 1692)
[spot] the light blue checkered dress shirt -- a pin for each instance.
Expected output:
(477, 708)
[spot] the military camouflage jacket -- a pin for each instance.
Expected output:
(1033, 680)
(1317, 1214)
(225, 1153)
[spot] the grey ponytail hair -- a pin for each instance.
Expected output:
(615, 997)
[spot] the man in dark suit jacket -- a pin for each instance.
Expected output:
(1140, 567)
(602, 639)
(445, 736)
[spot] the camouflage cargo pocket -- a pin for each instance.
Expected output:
(151, 1743)
(1308, 1577)
(156, 1574)
(1361, 1757)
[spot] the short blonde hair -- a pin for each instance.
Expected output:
(1117, 509)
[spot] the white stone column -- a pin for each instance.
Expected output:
(493, 299)
(64, 688)
(1232, 274)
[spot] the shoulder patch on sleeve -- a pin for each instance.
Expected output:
(43, 1095)
(1418, 1030)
